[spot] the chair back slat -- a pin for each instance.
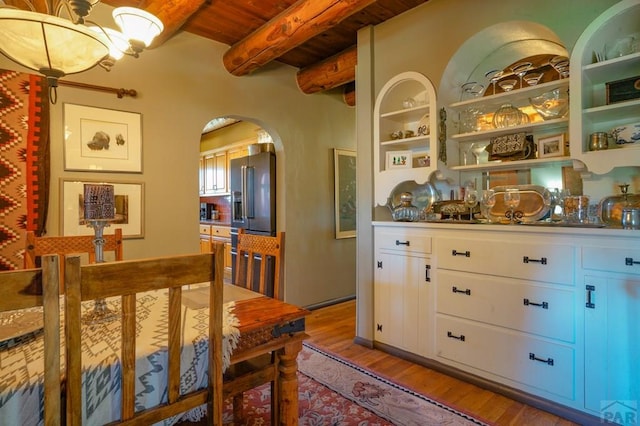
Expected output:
(36, 247)
(32, 288)
(263, 247)
(126, 279)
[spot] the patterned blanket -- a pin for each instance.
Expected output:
(24, 162)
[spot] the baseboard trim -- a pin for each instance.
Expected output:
(330, 302)
(560, 410)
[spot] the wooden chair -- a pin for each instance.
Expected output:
(35, 247)
(248, 374)
(125, 279)
(250, 246)
(29, 288)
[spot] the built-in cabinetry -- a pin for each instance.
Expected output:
(551, 314)
(213, 173)
(507, 310)
(589, 109)
(404, 289)
(406, 103)
(610, 279)
(210, 234)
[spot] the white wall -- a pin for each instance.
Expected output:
(424, 39)
(182, 85)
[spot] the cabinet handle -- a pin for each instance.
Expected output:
(455, 290)
(590, 290)
(379, 327)
(533, 357)
(527, 259)
(543, 305)
(630, 262)
(427, 270)
(461, 253)
(379, 264)
(453, 336)
(403, 243)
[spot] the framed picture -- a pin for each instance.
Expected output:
(345, 192)
(129, 200)
(398, 160)
(102, 140)
(551, 146)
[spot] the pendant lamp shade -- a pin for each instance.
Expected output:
(49, 45)
(137, 26)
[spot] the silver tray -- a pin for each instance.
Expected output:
(610, 208)
(531, 203)
(18, 325)
(423, 195)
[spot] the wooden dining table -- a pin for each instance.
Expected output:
(264, 325)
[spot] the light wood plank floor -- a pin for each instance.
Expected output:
(333, 328)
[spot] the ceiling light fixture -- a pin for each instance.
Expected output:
(55, 46)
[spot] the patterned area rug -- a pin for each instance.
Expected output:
(333, 391)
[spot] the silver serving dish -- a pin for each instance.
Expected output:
(531, 205)
(424, 195)
(610, 208)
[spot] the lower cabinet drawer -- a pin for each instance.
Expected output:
(544, 310)
(409, 241)
(533, 260)
(614, 259)
(515, 356)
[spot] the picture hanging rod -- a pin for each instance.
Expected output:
(119, 92)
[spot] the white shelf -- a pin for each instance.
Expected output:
(512, 165)
(612, 69)
(516, 97)
(409, 114)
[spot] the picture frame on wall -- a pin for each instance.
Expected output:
(102, 140)
(129, 202)
(398, 160)
(345, 192)
(551, 146)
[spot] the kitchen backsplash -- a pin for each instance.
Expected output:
(223, 205)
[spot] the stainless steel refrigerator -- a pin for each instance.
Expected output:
(253, 196)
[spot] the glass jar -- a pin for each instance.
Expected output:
(508, 116)
(406, 211)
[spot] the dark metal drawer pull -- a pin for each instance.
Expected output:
(460, 337)
(455, 290)
(527, 259)
(543, 305)
(630, 262)
(533, 357)
(427, 269)
(461, 253)
(403, 243)
(590, 290)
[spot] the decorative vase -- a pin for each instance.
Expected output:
(508, 116)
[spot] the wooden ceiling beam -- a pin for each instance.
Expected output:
(173, 15)
(332, 72)
(291, 28)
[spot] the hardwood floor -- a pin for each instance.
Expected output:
(333, 328)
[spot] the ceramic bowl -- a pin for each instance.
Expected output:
(629, 133)
(552, 104)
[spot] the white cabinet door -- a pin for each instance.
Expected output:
(612, 339)
(402, 302)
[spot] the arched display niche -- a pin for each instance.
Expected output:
(495, 48)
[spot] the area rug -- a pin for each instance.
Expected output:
(333, 391)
